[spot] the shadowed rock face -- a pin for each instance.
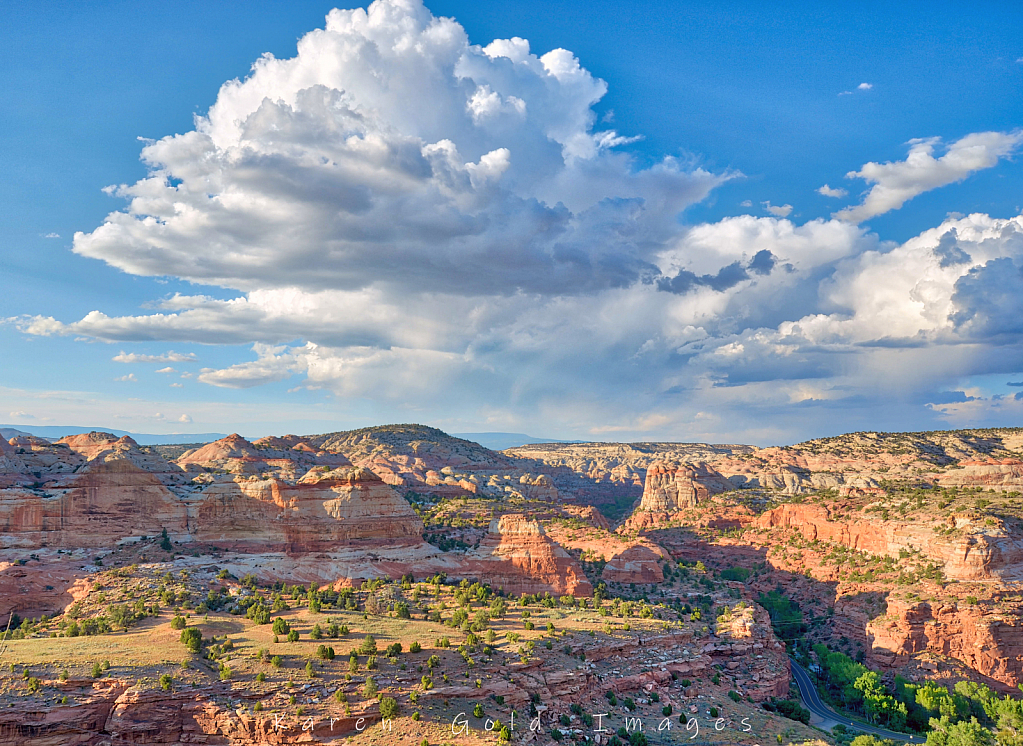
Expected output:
(517, 555)
(987, 640)
(638, 564)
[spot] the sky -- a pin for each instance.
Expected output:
(621, 221)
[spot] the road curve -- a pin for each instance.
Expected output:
(812, 702)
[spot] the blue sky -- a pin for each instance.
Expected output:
(525, 248)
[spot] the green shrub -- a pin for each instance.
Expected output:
(191, 638)
(388, 707)
(369, 690)
(178, 622)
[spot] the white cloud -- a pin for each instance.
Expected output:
(864, 86)
(168, 369)
(896, 182)
(829, 192)
(746, 203)
(779, 211)
(167, 357)
(130, 377)
(429, 163)
(52, 235)
(177, 385)
(184, 418)
(21, 415)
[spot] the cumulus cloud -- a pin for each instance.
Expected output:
(896, 182)
(52, 235)
(184, 418)
(168, 369)
(167, 357)
(829, 192)
(429, 162)
(130, 377)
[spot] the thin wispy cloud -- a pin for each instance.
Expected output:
(896, 182)
(167, 357)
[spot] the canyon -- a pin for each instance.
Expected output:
(905, 549)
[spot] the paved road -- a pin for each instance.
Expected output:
(812, 702)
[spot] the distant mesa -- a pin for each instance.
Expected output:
(55, 432)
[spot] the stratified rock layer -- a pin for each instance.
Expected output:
(672, 487)
(517, 555)
(322, 511)
(638, 564)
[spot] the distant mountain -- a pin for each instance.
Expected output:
(500, 441)
(55, 432)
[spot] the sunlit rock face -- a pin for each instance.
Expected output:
(517, 555)
(321, 511)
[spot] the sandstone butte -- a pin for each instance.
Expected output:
(289, 511)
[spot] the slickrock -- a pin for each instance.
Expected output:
(104, 502)
(517, 555)
(1003, 475)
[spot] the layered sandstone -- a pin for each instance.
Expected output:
(974, 551)
(322, 511)
(987, 637)
(103, 503)
(637, 564)
(1002, 475)
(517, 555)
(111, 711)
(671, 488)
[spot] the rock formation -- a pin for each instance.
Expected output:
(517, 555)
(1002, 475)
(322, 511)
(987, 637)
(637, 564)
(673, 487)
(979, 551)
